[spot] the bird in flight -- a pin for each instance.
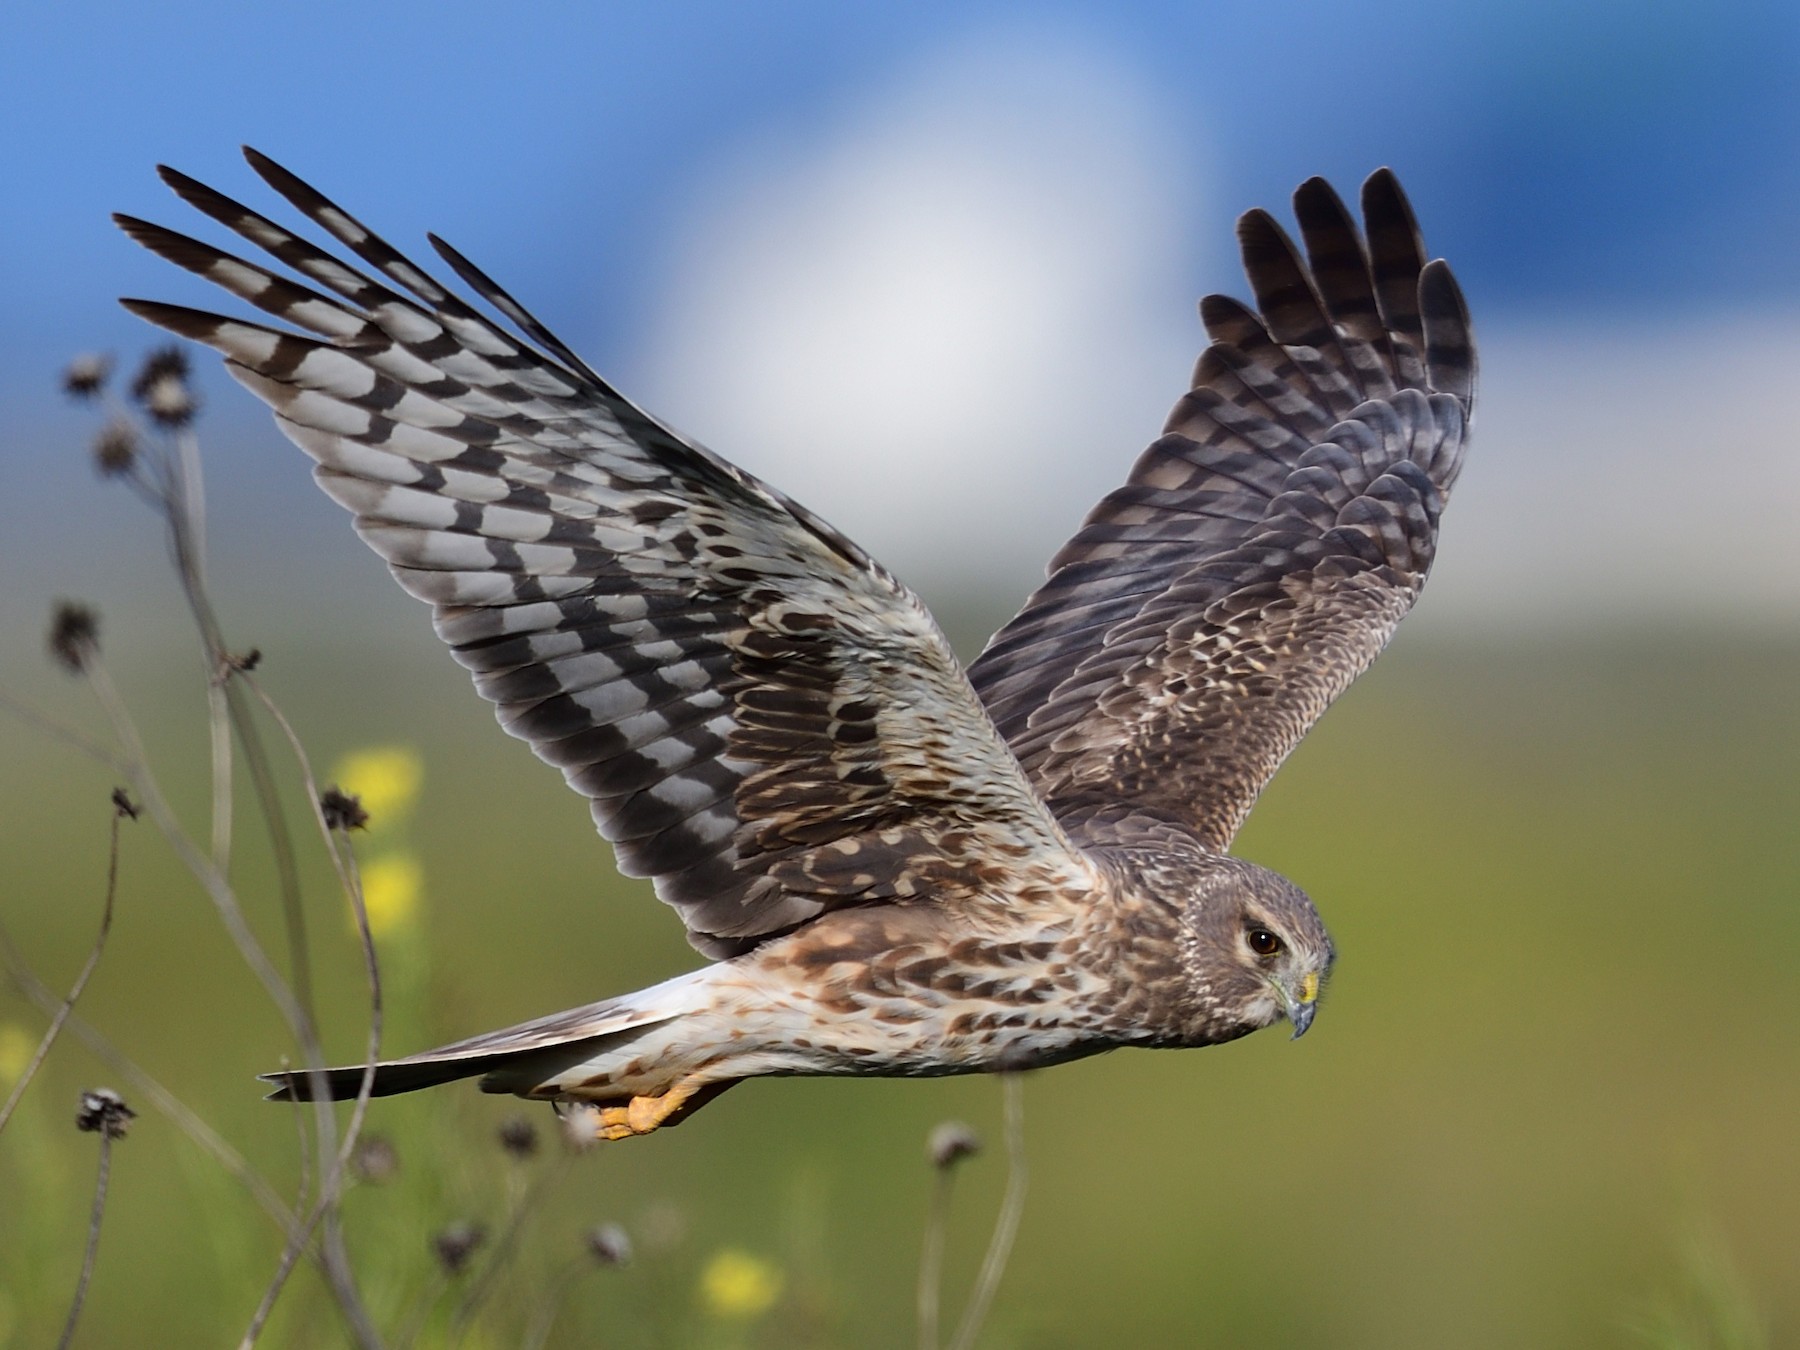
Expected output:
(899, 866)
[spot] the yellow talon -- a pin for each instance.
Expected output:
(641, 1115)
(614, 1123)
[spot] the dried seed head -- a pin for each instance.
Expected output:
(161, 387)
(116, 448)
(86, 375)
(247, 662)
(519, 1137)
(609, 1245)
(456, 1244)
(341, 810)
(170, 402)
(103, 1111)
(74, 635)
(950, 1143)
(164, 362)
(122, 803)
(374, 1159)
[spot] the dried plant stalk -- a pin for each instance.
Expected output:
(144, 1086)
(93, 1245)
(103, 1112)
(1006, 1226)
(121, 809)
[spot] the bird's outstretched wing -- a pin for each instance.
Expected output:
(763, 719)
(1263, 551)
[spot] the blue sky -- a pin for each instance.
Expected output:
(1618, 153)
(686, 191)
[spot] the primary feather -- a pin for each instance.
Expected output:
(764, 721)
(1262, 552)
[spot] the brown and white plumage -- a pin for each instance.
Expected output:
(1262, 552)
(902, 871)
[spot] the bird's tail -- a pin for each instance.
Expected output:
(511, 1060)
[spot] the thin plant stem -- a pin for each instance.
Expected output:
(218, 727)
(281, 844)
(931, 1258)
(216, 885)
(171, 483)
(186, 518)
(342, 858)
(523, 1207)
(538, 1336)
(57, 731)
(185, 515)
(303, 1186)
(81, 980)
(423, 1307)
(336, 1260)
(190, 502)
(331, 1184)
(218, 889)
(333, 1263)
(225, 903)
(192, 522)
(1006, 1226)
(143, 1085)
(93, 1241)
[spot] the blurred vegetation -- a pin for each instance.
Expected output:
(1554, 1106)
(1560, 1041)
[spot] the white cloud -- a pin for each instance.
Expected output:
(948, 322)
(1630, 472)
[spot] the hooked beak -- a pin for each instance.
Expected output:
(1299, 1004)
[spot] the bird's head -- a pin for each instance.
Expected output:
(1257, 949)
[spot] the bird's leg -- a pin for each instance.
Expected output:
(641, 1115)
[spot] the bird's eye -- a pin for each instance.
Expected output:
(1263, 942)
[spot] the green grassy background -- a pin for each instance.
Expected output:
(1551, 1099)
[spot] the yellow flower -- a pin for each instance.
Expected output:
(736, 1286)
(385, 778)
(16, 1049)
(391, 885)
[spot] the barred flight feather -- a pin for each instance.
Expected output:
(762, 718)
(764, 721)
(1263, 551)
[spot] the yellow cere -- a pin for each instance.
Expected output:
(1309, 987)
(385, 778)
(736, 1286)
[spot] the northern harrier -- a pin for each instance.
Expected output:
(899, 867)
